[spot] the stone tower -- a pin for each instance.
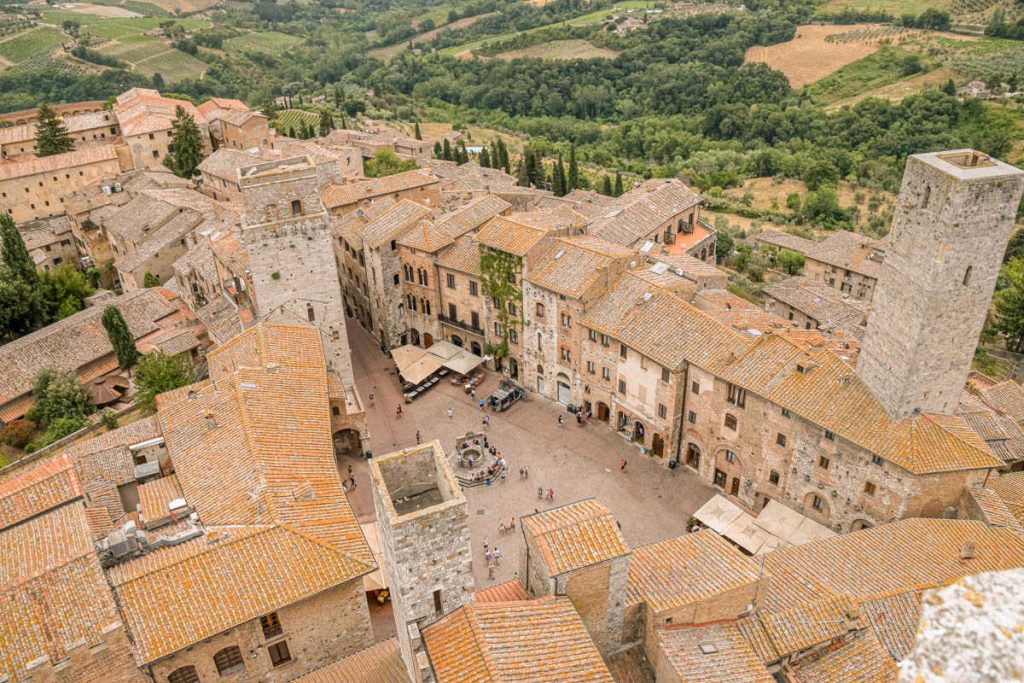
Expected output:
(288, 242)
(952, 221)
(424, 534)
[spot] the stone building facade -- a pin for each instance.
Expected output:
(938, 278)
(424, 531)
(38, 188)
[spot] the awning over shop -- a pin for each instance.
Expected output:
(776, 526)
(378, 579)
(415, 364)
(463, 362)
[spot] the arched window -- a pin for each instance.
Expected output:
(184, 674)
(229, 660)
(540, 369)
(296, 207)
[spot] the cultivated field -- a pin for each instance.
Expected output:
(386, 53)
(38, 41)
(293, 118)
(109, 11)
(561, 49)
(819, 50)
(264, 41)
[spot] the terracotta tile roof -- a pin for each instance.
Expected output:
(225, 162)
(508, 235)
(141, 110)
(843, 249)
(631, 218)
(35, 488)
(379, 663)
(1006, 397)
(53, 595)
(574, 536)
(229, 576)
(509, 591)
(894, 620)
(896, 557)
(825, 304)
(687, 569)
(57, 162)
(393, 223)
(170, 234)
(463, 256)
(571, 265)
(862, 659)
(1010, 487)
(560, 217)
(785, 240)
(994, 510)
(336, 195)
(75, 341)
(155, 497)
(536, 641)
(811, 623)
(753, 630)
(711, 654)
(638, 313)
(430, 237)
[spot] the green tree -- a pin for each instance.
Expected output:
(793, 202)
(58, 395)
(558, 180)
(150, 280)
(792, 262)
(485, 157)
(62, 292)
(385, 162)
(1009, 305)
(158, 80)
(724, 244)
(157, 373)
(416, 131)
(438, 152)
(121, 338)
(51, 135)
(574, 170)
(522, 179)
(326, 122)
(606, 186)
(949, 87)
(446, 151)
(20, 306)
(15, 253)
(186, 148)
(1015, 247)
(618, 184)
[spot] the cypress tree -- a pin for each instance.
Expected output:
(186, 148)
(534, 169)
(437, 150)
(485, 157)
(461, 156)
(618, 184)
(416, 131)
(337, 97)
(15, 255)
(606, 186)
(51, 135)
(446, 152)
(574, 171)
(522, 179)
(120, 337)
(326, 122)
(558, 180)
(505, 163)
(291, 132)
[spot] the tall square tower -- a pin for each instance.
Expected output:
(424, 533)
(952, 222)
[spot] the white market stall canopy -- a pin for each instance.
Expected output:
(416, 364)
(377, 579)
(776, 526)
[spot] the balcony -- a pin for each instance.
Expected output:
(462, 325)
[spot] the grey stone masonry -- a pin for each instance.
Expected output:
(953, 219)
(424, 533)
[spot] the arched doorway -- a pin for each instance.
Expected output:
(457, 340)
(428, 340)
(513, 368)
(658, 445)
(693, 455)
(639, 432)
(414, 334)
(347, 443)
(564, 393)
(816, 507)
(859, 524)
(728, 471)
(475, 348)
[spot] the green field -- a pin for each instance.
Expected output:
(582, 20)
(148, 56)
(874, 71)
(293, 118)
(264, 41)
(116, 29)
(34, 42)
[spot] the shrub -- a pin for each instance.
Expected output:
(18, 433)
(108, 418)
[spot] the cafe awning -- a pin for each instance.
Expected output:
(776, 526)
(463, 362)
(378, 579)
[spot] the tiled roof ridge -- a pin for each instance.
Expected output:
(86, 550)
(469, 613)
(365, 568)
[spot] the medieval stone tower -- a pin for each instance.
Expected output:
(953, 219)
(286, 233)
(424, 533)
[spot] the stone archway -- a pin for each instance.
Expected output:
(728, 470)
(603, 411)
(692, 455)
(817, 508)
(456, 340)
(476, 349)
(347, 443)
(658, 445)
(859, 524)
(414, 336)
(513, 368)
(639, 432)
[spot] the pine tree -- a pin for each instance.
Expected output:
(437, 149)
(51, 135)
(15, 254)
(120, 336)
(574, 171)
(186, 148)
(618, 184)
(485, 157)
(446, 151)
(326, 122)
(606, 186)
(416, 132)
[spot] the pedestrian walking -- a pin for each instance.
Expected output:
(472, 393)
(513, 524)
(371, 398)
(560, 421)
(450, 413)
(618, 524)
(515, 575)
(487, 545)
(489, 555)
(521, 473)
(490, 570)
(502, 475)
(487, 422)
(487, 446)
(481, 404)
(526, 471)
(398, 412)
(417, 436)
(350, 470)
(540, 492)
(551, 494)
(353, 480)
(622, 465)
(497, 556)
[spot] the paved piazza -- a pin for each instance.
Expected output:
(651, 502)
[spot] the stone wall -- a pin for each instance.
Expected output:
(109, 660)
(41, 194)
(598, 593)
(423, 316)
(318, 631)
(466, 304)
